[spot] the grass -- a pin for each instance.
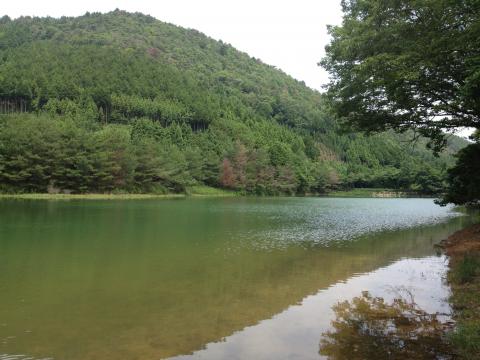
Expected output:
(466, 340)
(202, 190)
(466, 269)
(367, 192)
(194, 191)
(464, 280)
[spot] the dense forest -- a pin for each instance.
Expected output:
(124, 102)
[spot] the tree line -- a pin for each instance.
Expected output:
(124, 102)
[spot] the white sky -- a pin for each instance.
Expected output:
(290, 34)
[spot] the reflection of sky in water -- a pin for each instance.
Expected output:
(326, 221)
(295, 333)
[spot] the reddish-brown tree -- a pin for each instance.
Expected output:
(240, 164)
(227, 177)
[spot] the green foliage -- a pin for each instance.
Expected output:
(467, 269)
(407, 64)
(202, 190)
(464, 280)
(124, 102)
(464, 178)
(466, 339)
(165, 111)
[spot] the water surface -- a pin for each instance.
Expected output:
(208, 278)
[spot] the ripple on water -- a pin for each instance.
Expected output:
(328, 221)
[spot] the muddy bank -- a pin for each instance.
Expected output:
(462, 242)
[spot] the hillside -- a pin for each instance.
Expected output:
(125, 102)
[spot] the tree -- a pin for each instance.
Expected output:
(406, 64)
(240, 164)
(227, 177)
(211, 168)
(114, 158)
(464, 178)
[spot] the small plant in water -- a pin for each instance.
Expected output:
(369, 328)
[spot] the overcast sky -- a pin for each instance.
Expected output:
(290, 34)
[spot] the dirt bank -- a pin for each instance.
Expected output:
(463, 242)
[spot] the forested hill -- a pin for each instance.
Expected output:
(125, 102)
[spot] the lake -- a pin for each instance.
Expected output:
(206, 278)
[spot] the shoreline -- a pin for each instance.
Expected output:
(41, 196)
(205, 191)
(194, 191)
(377, 193)
(463, 251)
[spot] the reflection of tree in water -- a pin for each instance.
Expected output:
(369, 328)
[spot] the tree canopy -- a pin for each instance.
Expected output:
(407, 64)
(411, 65)
(464, 177)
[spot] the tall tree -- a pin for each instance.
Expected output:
(410, 64)
(407, 64)
(240, 164)
(227, 177)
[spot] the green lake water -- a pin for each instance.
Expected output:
(205, 278)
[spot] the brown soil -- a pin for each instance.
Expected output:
(462, 242)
